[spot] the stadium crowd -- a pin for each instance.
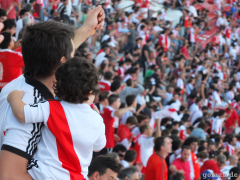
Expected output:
(90, 91)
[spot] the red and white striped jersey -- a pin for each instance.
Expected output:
(193, 35)
(120, 72)
(144, 148)
(218, 125)
(228, 32)
(216, 40)
(182, 132)
(180, 83)
(127, 77)
(65, 151)
(230, 149)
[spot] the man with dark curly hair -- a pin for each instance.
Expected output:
(73, 130)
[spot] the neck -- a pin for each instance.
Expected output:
(222, 165)
(103, 104)
(90, 178)
(162, 154)
(48, 82)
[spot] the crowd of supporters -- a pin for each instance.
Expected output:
(115, 92)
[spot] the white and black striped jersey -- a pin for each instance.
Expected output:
(16, 137)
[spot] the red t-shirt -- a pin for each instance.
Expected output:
(104, 85)
(5, 5)
(185, 51)
(156, 168)
(123, 132)
(229, 122)
(210, 164)
(185, 166)
(11, 64)
(108, 119)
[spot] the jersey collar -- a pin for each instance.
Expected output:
(46, 94)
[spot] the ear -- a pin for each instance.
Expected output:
(63, 60)
(96, 175)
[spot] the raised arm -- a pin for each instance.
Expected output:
(94, 21)
(15, 100)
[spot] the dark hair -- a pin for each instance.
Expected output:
(143, 128)
(115, 85)
(190, 140)
(130, 99)
(159, 142)
(174, 132)
(130, 155)
(103, 95)
(127, 172)
(101, 164)
(6, 41)
(43, 46)
(132, 120)
(23, 11)
(3, 12)
(8, 24)
(112, 98)
(119, 147)
(129, 82)
(230, 138)
(221, 112)
(185, 147)
(75, 79)
(176, 143)
(108, 75)
(182, 108)
(177, 176)
(141, 117)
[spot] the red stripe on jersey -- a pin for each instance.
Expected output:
(58, 125)
(172, 110)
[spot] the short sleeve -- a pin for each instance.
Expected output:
(37, 112)
(100, 143)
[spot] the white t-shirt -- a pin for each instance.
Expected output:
(75, 2)
(100, 58)
(193, 10)
(219, 21)
(64, 148)
(125, 116)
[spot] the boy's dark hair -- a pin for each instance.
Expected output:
(6, 41)
(190, 140)
(22, 12)
(8, 24)
(43, 46)
(159, 142)
(143, 128)
(112, 98)
(182, 108)
(119, 147)
(103, 95)
(130, 99)
(132, 120)
(75, 80)
(115, 85)
(129, 82)
(101, 164)
(3, 12)
(141, 117)
(176, 143)
(221, 112)
(130, 155)
(108, 75)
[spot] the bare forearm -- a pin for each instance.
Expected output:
(120, 112)
(173, 169)
(17, 106)
(81, 34)
(158, 131)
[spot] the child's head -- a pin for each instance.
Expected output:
(7, 42)
(131, 101)
(114, 101)
(3, 15)
(9, 26)
(77, 81)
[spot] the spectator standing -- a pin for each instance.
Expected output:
(145, 58)
(156, 167)
(181, 164)
(11, 63)
(19, 24)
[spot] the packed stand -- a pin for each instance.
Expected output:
(166, 88)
